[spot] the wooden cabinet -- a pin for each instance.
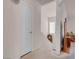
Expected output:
(67, 44)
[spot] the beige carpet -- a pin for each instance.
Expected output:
(44, 54)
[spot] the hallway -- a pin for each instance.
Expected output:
(27, 23)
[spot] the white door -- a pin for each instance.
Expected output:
(26, 30)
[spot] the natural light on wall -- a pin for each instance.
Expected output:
(52, 27)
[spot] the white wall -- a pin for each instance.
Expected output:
(50, 10)
(70, 8)
(68, 11)
(14, 26)
(47, 10)
(36, 25)
(11, 32)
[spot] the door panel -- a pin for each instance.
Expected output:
(26, 41)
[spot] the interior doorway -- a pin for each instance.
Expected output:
(51, 27)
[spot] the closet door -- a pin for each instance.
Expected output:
(26, 45)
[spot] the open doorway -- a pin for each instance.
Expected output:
(51, 27)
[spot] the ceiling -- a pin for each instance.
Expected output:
(42, 2)
(69, 4)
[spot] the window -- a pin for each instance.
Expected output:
(52, 27)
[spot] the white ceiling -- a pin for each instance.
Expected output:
(69, 4)
(42, 2)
